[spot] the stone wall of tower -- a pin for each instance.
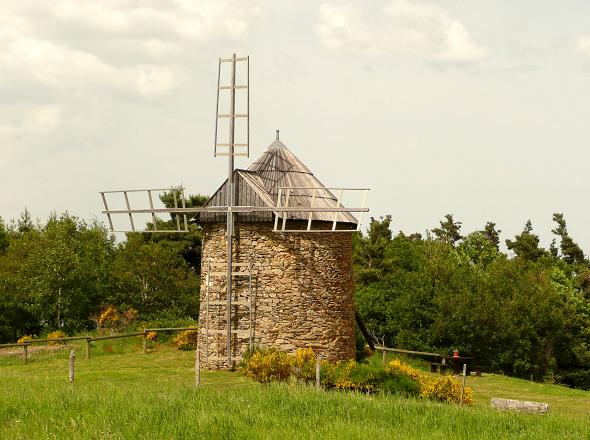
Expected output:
(302, 292)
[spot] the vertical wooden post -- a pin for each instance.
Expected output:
(384, 357)
(463, 385)
(72, 357)
(198, 367)
(87, 348)
(26, 353)
(144, 341)
(317, 371)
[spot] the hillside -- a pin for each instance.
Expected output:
(131, 395)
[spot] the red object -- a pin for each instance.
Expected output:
(455, 354)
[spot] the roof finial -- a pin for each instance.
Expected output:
(277, 135)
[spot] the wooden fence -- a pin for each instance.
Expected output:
(25, 345)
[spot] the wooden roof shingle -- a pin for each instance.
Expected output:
(259, 185)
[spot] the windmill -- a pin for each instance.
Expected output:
(285, 193)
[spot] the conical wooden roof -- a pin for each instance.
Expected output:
(277, 167)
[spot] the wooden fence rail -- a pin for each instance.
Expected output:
(399, 350)
(89, 339)
(170, 329)
(69, 338)
(14, 345)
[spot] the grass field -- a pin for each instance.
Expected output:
(121, 393)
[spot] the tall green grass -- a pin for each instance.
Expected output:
(137, 396)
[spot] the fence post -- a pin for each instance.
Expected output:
(26, 353)
(384, 357)
(144, 341)
(87, 348)
(317, 371)
(463, 385)
(198, 367)
(72, 357)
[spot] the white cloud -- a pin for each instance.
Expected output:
(41, 119)
(405, 27)
(583, 45)
(126, 45)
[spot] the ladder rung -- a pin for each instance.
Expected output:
(235, 154)
(233, 264)
(230, 87)
(229, 60)
(233, 303)
(235, 145)
(242, 333)
(235, 274)
(235, 115)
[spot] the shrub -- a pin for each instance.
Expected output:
(109, 317)
(396, 367)
(445, 389)
(187, 340)
(152, 336)
(267, 365)
(129, 316)
(56, 335)
(366, 378)
(304, 364)
(24, 339)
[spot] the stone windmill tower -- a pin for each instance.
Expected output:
(292, 270)
(277, 249)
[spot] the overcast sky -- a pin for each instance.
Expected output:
(475, 108)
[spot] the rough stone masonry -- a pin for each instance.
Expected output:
(302, 292)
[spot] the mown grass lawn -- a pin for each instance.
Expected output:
(131, 395)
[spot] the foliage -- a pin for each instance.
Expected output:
(529, 314)
(24, 339)
(442, 388)
(449, 230)
(304, 364)
(64, 273)
(266, 365)
(187, 340)
(152, 336)
(445, 389)
(57, 334)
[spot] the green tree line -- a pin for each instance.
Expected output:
(61, 274)
(527, 313)
(523, 312)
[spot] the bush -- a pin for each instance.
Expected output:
(24, 339)
(267, 365)
(398, 368)
(187, 340)
(56, 335)
(444, 389)
(304, 364)
(577, 379)
(366, 378)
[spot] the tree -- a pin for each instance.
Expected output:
(492, 234)
(64, 272)
(526, 244)
(189, 243)
(449, 230)
(153, 278)
(478, 249)
(570, 251)
(25, 224)
(370, 252)
(3, 236)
